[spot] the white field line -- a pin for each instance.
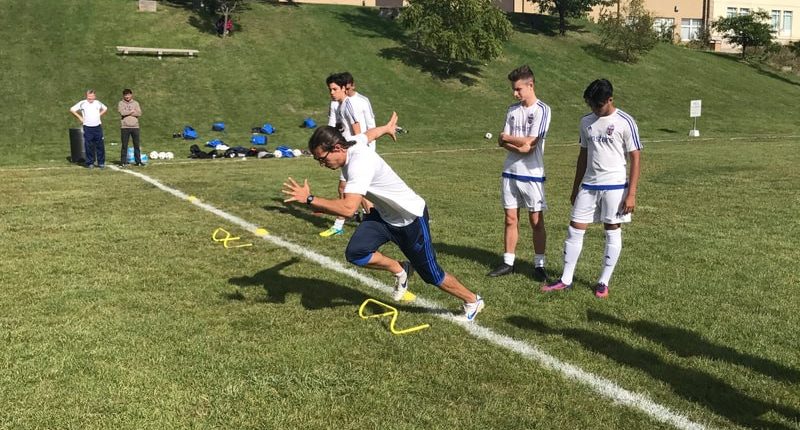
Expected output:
(599, 384)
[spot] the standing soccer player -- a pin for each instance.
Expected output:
(361, 106)
(522, 181)
(400, 215)
(602, 190)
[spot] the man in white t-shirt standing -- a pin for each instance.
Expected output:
(522, 180)
(602, 191)
(88, 112)
(399, 215)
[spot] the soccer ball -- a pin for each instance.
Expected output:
(488, 135)
(297, 152)
(169, 155)
(154, 155)
(277, 154)
(162, 155)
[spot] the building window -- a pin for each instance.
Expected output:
(787, 23)
(690, 27)
(744, 11)
(776, 20)
(731, 12)
(664, 27)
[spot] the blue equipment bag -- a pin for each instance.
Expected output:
(267, 128)
(309, 123)
(286, 152)
(218, 126)
(214, 143)
(189, 133)
(258, 140)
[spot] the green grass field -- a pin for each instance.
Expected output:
(120, 311)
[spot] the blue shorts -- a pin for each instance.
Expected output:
(414, 240)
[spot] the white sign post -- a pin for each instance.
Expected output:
(694, 111)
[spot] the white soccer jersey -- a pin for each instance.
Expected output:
(363, 112)
(526, 122)
(346, 115)
(368, 175)
(332, 110)
(607, 140)
(90, 111)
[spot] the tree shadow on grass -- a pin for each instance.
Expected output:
(205, 19)
(602, 53)
(691, 384)
(365, 22)
(686, 343)
(759, 68)
(466, 73)
(545, 25)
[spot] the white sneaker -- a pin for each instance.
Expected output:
(401, 293)
(471, 310)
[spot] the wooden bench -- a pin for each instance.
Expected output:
(124, 50)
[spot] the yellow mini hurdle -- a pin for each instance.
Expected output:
(390, 311)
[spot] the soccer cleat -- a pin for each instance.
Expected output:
(471, 310)
(601, 291)
(555, 286)
(333, 231)
(501, 270)
(401, 293)
(539, 274)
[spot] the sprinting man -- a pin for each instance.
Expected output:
(603, 191)
(400, 215)
(88, 112)
(522, 181)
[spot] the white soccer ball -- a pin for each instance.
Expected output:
(297, 152)
(488, 135)
(170, 155)
(277, 154)
(154, 155)
(162, 155)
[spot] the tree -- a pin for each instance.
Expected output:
(746, 30)
(628, 33)
(566, 9)
(225, 8)
(456, 31)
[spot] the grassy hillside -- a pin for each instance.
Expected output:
(274, 70)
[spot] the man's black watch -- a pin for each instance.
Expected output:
(309, 199)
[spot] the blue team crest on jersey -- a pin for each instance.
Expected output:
(530, 119)
(610, 130)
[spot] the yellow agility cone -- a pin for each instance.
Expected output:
(391, 311)
(227, 238)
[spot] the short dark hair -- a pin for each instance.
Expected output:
(326, 137)
(127, 91)
(521, 72)
(598, 92)
(336, 78)
(348, 78)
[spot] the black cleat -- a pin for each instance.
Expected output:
(539, 274)
(501, 270)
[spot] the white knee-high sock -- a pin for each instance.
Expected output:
(572, 251)
(613, 249)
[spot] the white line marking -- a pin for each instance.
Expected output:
(599, 384)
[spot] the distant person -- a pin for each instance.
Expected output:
(400, 215)
(129, 111)
(603, 191)
(349, 124)
(224, 26)
(89, 111)
(522, 180)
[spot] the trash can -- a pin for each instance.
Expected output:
(77, 153)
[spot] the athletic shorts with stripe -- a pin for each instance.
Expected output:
(414, 240)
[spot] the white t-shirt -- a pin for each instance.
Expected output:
(363, 114)
(532, 121)
(90, 111)
(368, 174)
(607, 140)
(334, 108)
